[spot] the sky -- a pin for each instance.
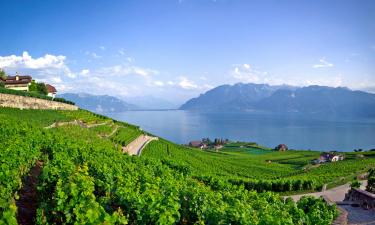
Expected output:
(177, 49)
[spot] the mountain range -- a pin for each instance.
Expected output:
(318, 100)
(108, 104)
(99, 103)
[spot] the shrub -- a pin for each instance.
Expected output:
(355, 184)
(371, 181)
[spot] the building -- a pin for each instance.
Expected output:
(19, 83)
(330, 157)
(197, 144)
(281, 147)
(218, 147)
(51, 90)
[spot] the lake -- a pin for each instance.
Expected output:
(266, 129)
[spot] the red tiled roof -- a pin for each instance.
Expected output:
(50, 88)
(195, 143)
(21, 79)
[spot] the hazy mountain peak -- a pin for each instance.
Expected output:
(284, 99)
(99, 103)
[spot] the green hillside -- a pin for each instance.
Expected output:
(259, 168)
(82, 177)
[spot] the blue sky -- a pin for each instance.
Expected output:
(176, 49)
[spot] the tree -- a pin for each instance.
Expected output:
(33, 87)
(39, 88)
(3, 75)
(42, 89)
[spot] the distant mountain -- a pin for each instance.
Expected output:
(99, 103)
(319, 100)
(151, 103)
(234, 97)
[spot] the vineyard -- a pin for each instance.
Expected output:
(86, 179)
(259, 169)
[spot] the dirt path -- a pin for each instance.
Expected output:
(27, 203)
(75, 122)
(136, 146)
(113, 131)
(336, 194)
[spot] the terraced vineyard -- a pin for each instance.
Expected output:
(86, 179)
(258, 168)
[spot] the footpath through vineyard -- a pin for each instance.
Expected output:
(27, 203)
(356, 215)
(136, 146)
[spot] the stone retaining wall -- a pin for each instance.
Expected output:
(363, 198)
(22, 102)
(342, 218)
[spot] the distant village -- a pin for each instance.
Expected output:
(219, 143)
(26, 83)
(207, 143)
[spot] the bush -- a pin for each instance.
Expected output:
(371, 181)
(355, 184)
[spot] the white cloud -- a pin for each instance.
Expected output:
(123, 70)
(56, 80)
(84, 72)
(103, 48)
(185, 83)
(246, 73)
(28, 62)
(158, 83)
(323, 64)
(170, 83)
(47, 65)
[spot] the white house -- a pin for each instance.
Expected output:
(51, 90)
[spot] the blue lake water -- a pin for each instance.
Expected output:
(269, 130)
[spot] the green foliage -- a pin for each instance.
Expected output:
(125, 135)
(33, 87)
(75, 198)
(42, 89)
(317, 211)
(371, 181)
(85, 179)
(3, 75)
(355, 184)
(39, 88)
(255, 168)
